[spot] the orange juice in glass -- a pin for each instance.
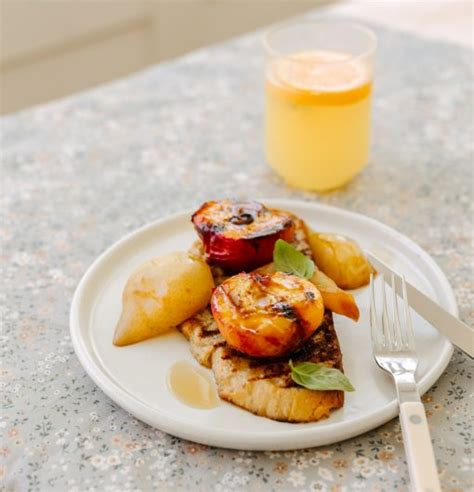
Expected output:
(318, 91)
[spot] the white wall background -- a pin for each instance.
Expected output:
(49, 49)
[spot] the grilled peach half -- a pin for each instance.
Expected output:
(240, 235)
(267, 315)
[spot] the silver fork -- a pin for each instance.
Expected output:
(393, 345)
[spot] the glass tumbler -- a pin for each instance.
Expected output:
(318, 91)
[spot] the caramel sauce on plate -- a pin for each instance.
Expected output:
(192, 386)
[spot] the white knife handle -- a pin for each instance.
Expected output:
(418, 448)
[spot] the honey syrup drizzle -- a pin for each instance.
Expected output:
(192, 386)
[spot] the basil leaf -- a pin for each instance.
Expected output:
(319, 377)
(288, 259)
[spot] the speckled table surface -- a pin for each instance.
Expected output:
(80, 173)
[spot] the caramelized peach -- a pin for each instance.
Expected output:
(240, 235)
(266, 315)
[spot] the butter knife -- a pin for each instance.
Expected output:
(455, 330)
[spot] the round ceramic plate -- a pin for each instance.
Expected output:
(135, 376)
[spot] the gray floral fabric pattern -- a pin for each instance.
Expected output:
(79, 173)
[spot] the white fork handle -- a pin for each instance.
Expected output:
(418, 448)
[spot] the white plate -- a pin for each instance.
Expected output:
(135, 376)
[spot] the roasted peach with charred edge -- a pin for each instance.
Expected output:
(335, 299)
(341, 259)
(266, 315)
(240, 235)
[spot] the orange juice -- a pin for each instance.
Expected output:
(317, 118)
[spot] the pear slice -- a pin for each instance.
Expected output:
(337, 300)
(341, 259)
(160, 294)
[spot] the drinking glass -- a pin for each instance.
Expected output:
(318, 92)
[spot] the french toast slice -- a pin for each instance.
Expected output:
(262, 386)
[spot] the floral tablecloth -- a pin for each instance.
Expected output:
(80, 173)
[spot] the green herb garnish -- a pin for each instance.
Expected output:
(319, 377)
(288, 259)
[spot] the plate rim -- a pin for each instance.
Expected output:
(278, 440)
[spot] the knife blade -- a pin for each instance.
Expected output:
(455, 330)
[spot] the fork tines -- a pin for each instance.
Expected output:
(393, 335)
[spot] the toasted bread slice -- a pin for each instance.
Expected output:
(261, 386)
(265, 387)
